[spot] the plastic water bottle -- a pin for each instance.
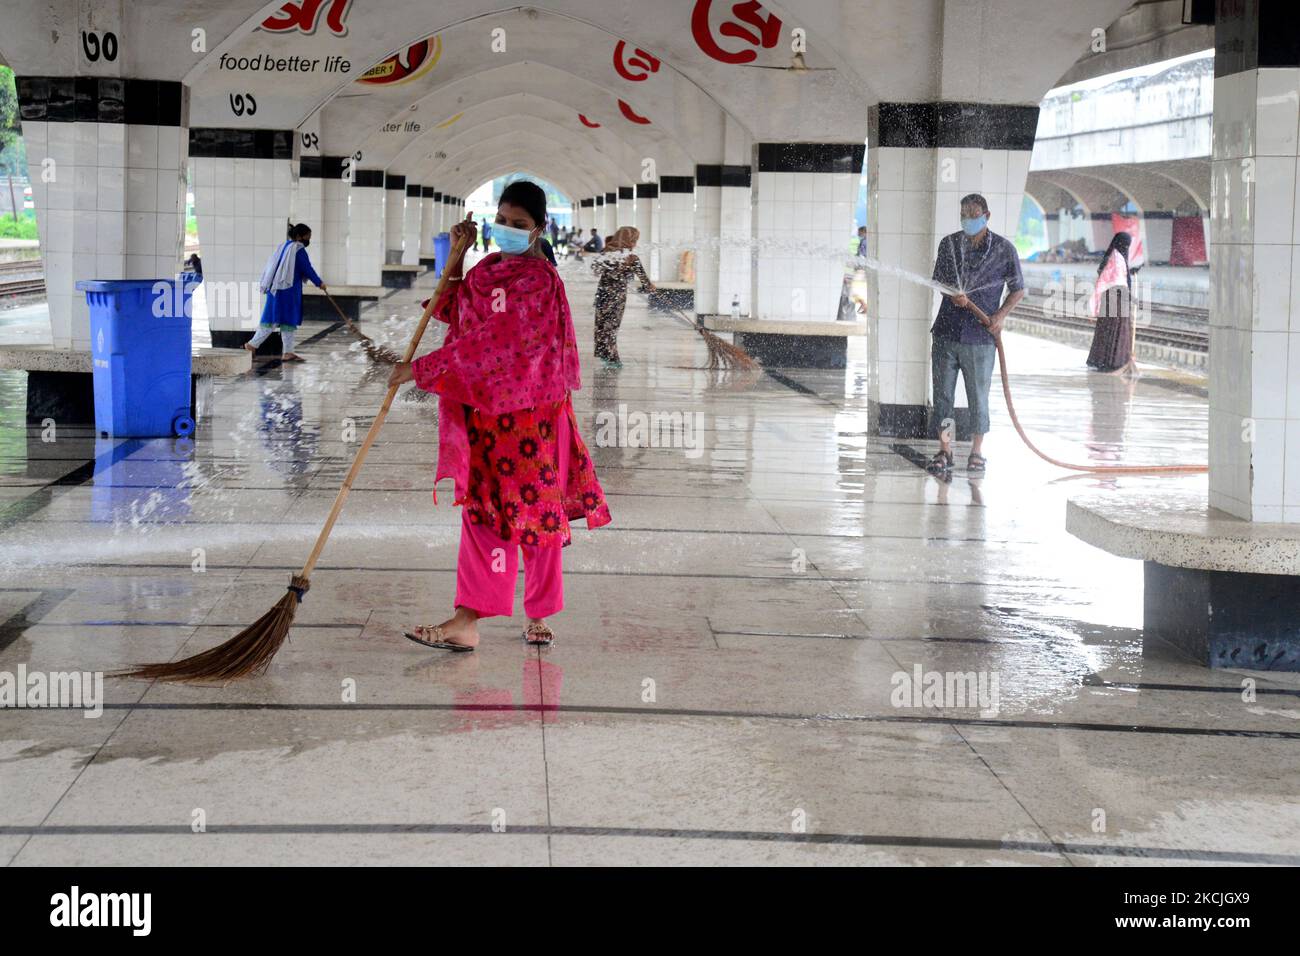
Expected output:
(735, 306)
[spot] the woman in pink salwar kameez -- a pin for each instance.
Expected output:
(507, 435)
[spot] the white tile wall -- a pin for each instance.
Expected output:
(240, 225)
(675, 225)
(735, 266)
(428, 225)
(109, 205)
(624, 213)
(708, 207)
(411, 213)
(1254, 281)
(394, 220)
(803, 223)
(644, 220)
(365, 235)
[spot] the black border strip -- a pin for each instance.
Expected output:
(223, 143)
(1049, 846)
(952, 125)
(738, 176)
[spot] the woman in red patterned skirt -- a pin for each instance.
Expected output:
(507, 435)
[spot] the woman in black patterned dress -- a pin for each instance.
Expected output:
(616, 267)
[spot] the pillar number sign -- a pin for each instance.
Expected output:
(749, 23)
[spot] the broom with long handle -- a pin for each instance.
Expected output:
(250, 651)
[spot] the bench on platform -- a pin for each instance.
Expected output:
(351, 299)
(1222, 590)
(677, 293)
(61, 385)
(399, 276)
(790, 344)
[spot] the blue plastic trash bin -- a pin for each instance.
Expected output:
(140, 346)
(441, 252)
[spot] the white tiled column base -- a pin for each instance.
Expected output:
(625, 213)
(242, 206)
(428, 225)
(333, 264)
(308, 207)
(109, 204)
(675, 225)
(708, 207)
(1255, 296)
(366, 234)
(735, 270)
(411, 213)
(913, 200)
(803, 224)
(394, 222)
(644, 214)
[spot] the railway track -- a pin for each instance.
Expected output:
(22, 278)
(1183, 336)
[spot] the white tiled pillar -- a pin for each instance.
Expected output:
(440, 214)
(309, 194)
(647, 197)
(586, 215)
(428, 221)
(675, 223)
(919, 166)
(598, 215)
(803, 197)
(106, 158)
(1255, 268)
(394, 216)
(333, 255)
(309, 198)
(411, 213)
(708, 207)
(609, 218)
(244, 184)
(735, 266)
(625, 211)
(366, 228)
(1158, 235)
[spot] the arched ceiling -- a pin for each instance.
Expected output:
(710, 76)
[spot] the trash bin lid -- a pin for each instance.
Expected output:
(125, 285)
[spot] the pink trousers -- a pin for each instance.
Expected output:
(487, 567)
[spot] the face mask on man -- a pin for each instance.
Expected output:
(973, 227)
(510, 240)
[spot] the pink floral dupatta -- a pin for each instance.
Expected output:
(510, 344)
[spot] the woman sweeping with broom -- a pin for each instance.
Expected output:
(507, 435)
(616, 268)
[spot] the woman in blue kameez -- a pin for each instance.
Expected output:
(282, 285)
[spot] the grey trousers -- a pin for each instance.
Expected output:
(975, 362)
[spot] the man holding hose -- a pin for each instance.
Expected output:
(978, 263)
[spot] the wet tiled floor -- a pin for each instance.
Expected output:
(724, 687)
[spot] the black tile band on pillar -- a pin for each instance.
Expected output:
(625, 192)
(611, 197)
(952, 125)
(738, 176)
(427, 192)
(647, 190)
(221, 143)
(586, 203)
(677, 184)
(809, 157)
(368, 179)
(394, 181)
(413, 190)
(101, 99)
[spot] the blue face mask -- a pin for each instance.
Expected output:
(973, 227)
(510, 240)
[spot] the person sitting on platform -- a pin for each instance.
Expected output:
(282, 285)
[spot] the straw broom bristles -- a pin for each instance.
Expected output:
(250, 651)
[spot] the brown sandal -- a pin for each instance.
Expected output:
(436, 631)
(538, 634)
